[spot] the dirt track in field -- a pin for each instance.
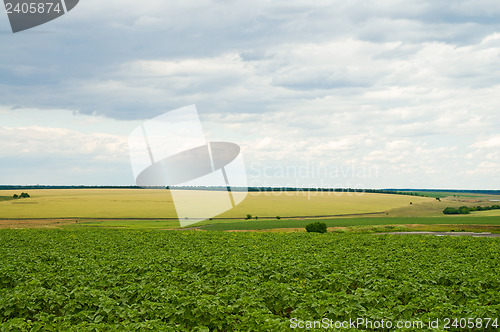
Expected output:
(36, 223)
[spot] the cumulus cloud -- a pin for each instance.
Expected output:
(45, 141)
(409, 87)
(62, 147)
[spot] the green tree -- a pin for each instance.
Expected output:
(450, 210)
(464, 210)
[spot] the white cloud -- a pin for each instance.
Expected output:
(493, 142)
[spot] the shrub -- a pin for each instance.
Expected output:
(23, 195)
(316, 227)
(278, 217)
(450, 210)
(249, 216)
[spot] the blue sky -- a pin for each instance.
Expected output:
(368, 94)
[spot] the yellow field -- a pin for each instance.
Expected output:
(89, 203)
(320, 203)
(148, 203)
(487, 213)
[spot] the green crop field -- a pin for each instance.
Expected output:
(129, 280)
(147, 203)
(86, 275)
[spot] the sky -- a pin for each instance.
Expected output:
(365, 94)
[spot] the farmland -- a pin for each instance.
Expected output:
(108, 279)
(150, 203)
(113, 262)
(154, 209)
(90, 203)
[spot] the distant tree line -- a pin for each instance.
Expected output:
(405, 191)
(299, 189)
(39, 186)
(469, 209)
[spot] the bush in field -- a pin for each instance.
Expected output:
(316, 227)
(249, 216)
(278, 217)
(23, 195)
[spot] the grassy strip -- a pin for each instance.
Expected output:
(5, 198)
(458, 222)
(495, 229)
(347, 222)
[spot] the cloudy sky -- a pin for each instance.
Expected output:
(368, 94)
